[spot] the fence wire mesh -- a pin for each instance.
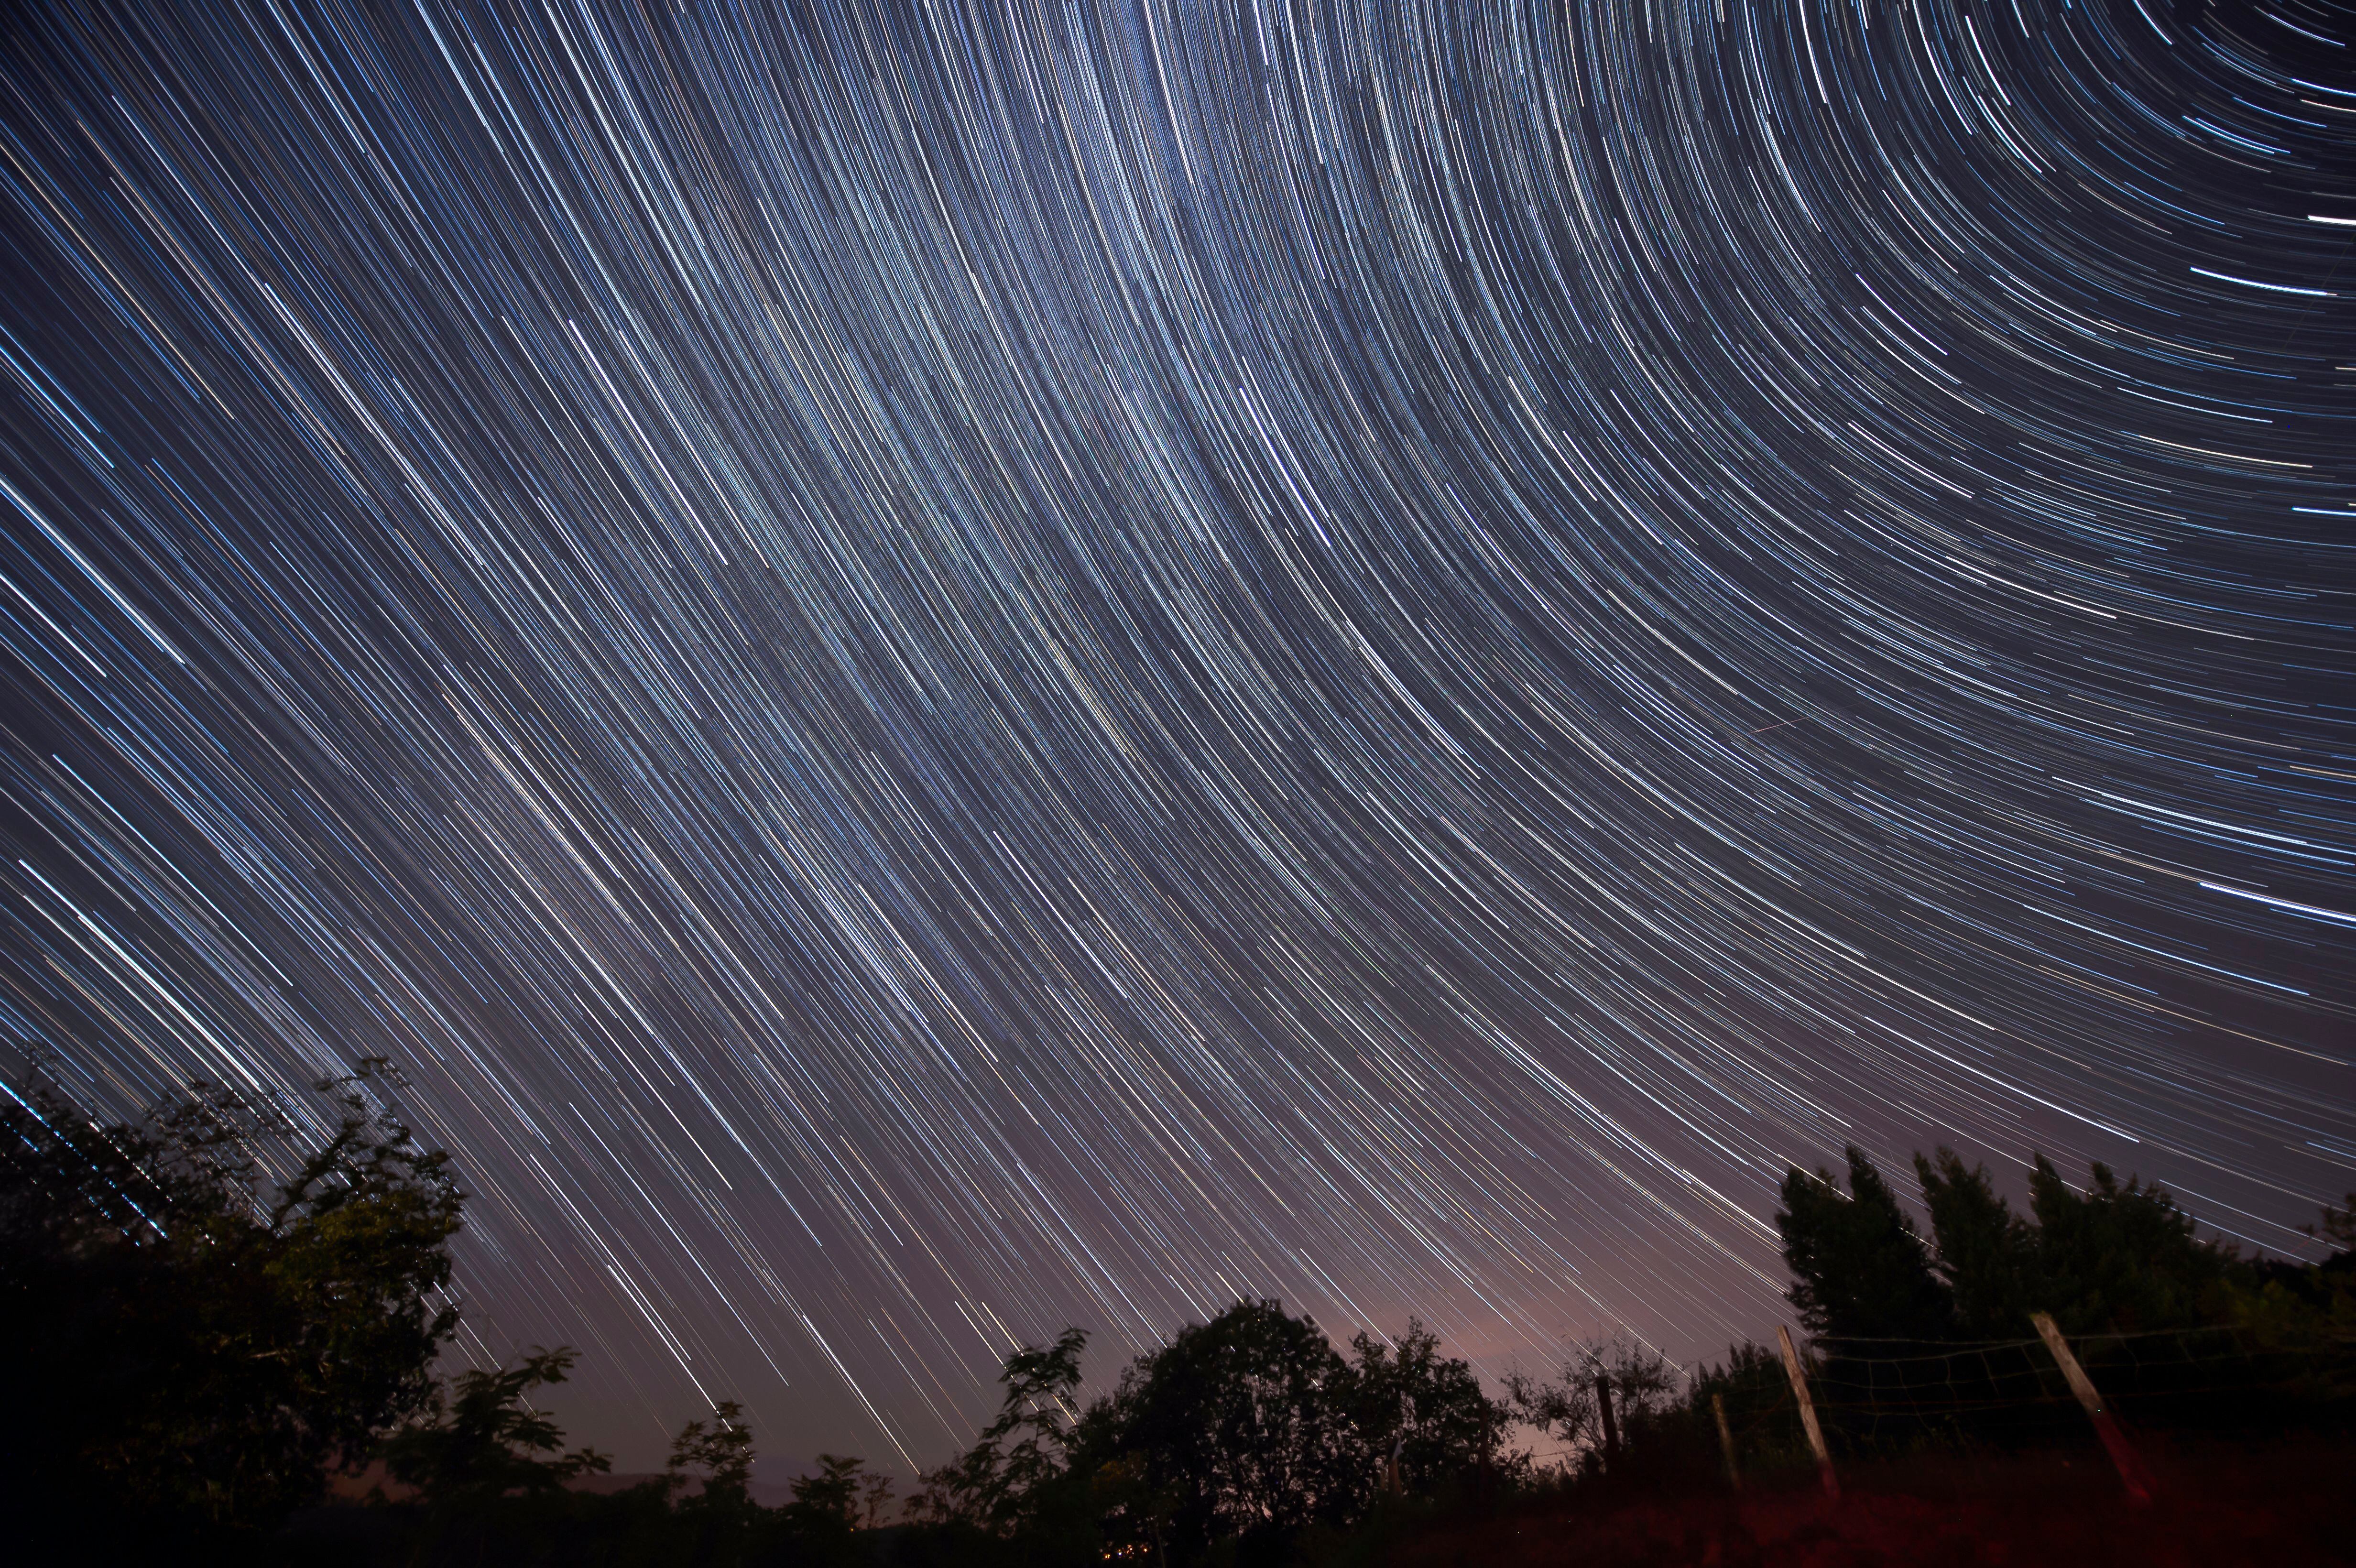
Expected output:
(2014, 1389)
(1893, 1396)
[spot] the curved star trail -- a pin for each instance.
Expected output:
(942, 669)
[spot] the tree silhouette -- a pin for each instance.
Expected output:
(209, 1309)
(484, 1440)
(875, 1501)
(1642, 1383)
(2122, 1257)
(1987, 1254)
(1001, 1482)
(1243, 1418)
(1419, 1411)
(719, 1455)
(831, 1496)
(1858, 1268)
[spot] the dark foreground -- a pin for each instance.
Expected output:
(2216, 1506)
(2283, 1502)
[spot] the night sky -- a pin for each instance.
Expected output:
(946, 669)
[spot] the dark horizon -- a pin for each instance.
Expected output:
(940, 671)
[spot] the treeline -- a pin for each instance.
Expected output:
(1919, 1336)
(211, 1313)
(2110, 1259)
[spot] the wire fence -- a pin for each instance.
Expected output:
(1891, 1397)
(1879, 1393)
(1895, 1378)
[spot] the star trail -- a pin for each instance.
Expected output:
(940, 668)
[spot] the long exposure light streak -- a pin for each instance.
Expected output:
(944, 669)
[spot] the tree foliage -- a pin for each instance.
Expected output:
(715, 1457)
(2115, 1257)
(1644, 1386)
(1243, 1431)
(210, 1308)
(1016, 1466)
(828, 1500)
(1858, 1267)
(1987, 1254)
(2308, 1312)
(1245, 1421)
(2111, 1262)
(484, 1438)
(2121, 1257)
(1422, 1414)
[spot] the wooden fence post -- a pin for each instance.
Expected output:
(1726, 1441)
(1808, 1414)
(2115, 1441)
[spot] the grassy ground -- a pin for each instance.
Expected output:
(2278, 1504)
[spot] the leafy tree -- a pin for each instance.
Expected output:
(1131, 1511)
(719, 1456)
(1231, 1440)
(200, 1339)
(1426, 1413)
(2306, 1313)
(814, 1529)
(1668, 1419)
(874, 1501)
(2121, 1257)
(2115, 1258)
(716, 1523)
(1643, 1384)
(1757, 1395)
(1987, 1255)
(484, 1440)
(831, 1496)
(1240, 1418)
(1001, 1484)
(1858, 1268)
